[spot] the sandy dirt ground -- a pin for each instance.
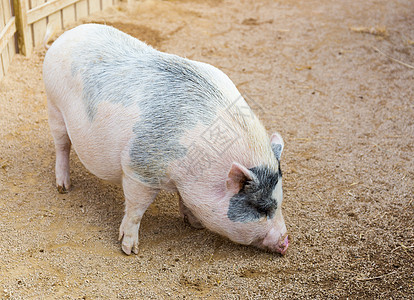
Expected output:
(335, 78)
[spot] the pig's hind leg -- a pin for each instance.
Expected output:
(188, 216)
(62, 147)
(138, 198)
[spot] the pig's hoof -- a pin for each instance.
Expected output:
(129, 247)
(129, 235)
(62, 189)
(188, 216)
(193, 221)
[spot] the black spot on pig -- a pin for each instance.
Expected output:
(255, 199)
(279, 169)
(277, 150)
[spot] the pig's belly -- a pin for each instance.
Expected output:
(101, 142)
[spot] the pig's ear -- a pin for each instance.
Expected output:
(237, 176)
(277, 144)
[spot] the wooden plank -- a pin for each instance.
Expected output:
(47, 9)
(10, 26)
(12, 48)
(1, 69)
(6, 60)
(94, 6)
(39, 27)
(3, 19)
(39, 30)
(68, 15)
(6, 15)
(4, 39)
(7, 33)
(9, 6)
(106, 3)
(81, 9)
(24, 37)
(56, 20)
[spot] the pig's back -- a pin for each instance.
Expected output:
(118, 90)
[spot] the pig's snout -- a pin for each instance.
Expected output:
(276, 241)
(283, 245)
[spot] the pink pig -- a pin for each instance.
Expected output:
(150, 121)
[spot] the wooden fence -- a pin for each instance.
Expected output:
(23, 22)
(8, 46)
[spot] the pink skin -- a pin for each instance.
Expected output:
(272, 243)
(285, 245)
(280, 246)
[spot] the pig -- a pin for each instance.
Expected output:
(149, 121)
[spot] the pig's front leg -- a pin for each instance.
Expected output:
(137, 199)
(188, 216)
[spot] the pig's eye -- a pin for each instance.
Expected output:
(263, 211)
(268, 212)
(249, 186)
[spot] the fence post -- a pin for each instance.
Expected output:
(20, 11)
